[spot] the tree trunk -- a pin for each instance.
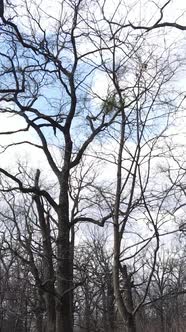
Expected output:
(64, 310)
(64, 321)
(110, 303)
(124, 303)
(130, 323)
(50, 313)
(162, 319)
(124, 310)
(63, 306)
(72, 243)
(87, 313)
(48, 269)
(127, 298)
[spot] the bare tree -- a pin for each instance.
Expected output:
(94, 299)
(130, 198)
(32, 63)
(48, 80)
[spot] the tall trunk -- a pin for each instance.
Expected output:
(72, 242)
(122, 305)
(127, 298)
(64, 310)
(63, 306)
(64, 321)
(50, 288)
(48, 269)
(110, 303)
(64, 285)
(125, 314)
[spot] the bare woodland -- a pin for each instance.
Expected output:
(92, 166)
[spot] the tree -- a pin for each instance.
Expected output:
(48, 81)
(94, 299)
(130, 196)
(33, 63)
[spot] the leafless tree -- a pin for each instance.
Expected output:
(49, 82)
(94, 299)
(130, 198)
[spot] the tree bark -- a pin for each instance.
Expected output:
(110, 303)
(48, 269)
(123, 303)
(63, 306)
(64, 321)
(64, 310)
(126, 315)
(50, 313)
